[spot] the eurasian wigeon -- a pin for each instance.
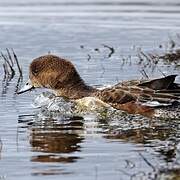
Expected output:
(61, 76)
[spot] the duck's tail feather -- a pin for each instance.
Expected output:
(161, 83)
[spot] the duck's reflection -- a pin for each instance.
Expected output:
(56, 139)
(161, 135)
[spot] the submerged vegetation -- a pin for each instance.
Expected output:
(166, 54)
(11, 67)
(10, 61)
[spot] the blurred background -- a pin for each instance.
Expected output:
(36, 27)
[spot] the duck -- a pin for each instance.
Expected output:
(133, 96)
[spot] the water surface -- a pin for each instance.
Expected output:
(43, 146)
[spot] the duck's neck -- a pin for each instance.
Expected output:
(76, 90)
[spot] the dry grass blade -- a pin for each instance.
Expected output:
(147, 162)
(161, 72)
(12, 73)
(89, 57)
(146, 56)
(17, 63)
(18, 84)
(144, 74)
(6, 72)
(112, 51)
(10, 59)
(9, 56)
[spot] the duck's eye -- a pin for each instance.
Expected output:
(27, 83)
(35, 72)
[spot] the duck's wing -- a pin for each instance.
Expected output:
(115, 95)
(125, 94)
(123, 100)
(142, 97)
(163, 90)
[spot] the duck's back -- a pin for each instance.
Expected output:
(142, 97)
(163, 90)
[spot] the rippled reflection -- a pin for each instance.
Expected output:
(55, 138)
(161, 135)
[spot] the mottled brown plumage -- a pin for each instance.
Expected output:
(60, 75)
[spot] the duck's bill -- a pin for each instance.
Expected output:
(27, 87)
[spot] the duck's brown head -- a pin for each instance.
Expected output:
(51, 72)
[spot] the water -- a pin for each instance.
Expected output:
(36, 145)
